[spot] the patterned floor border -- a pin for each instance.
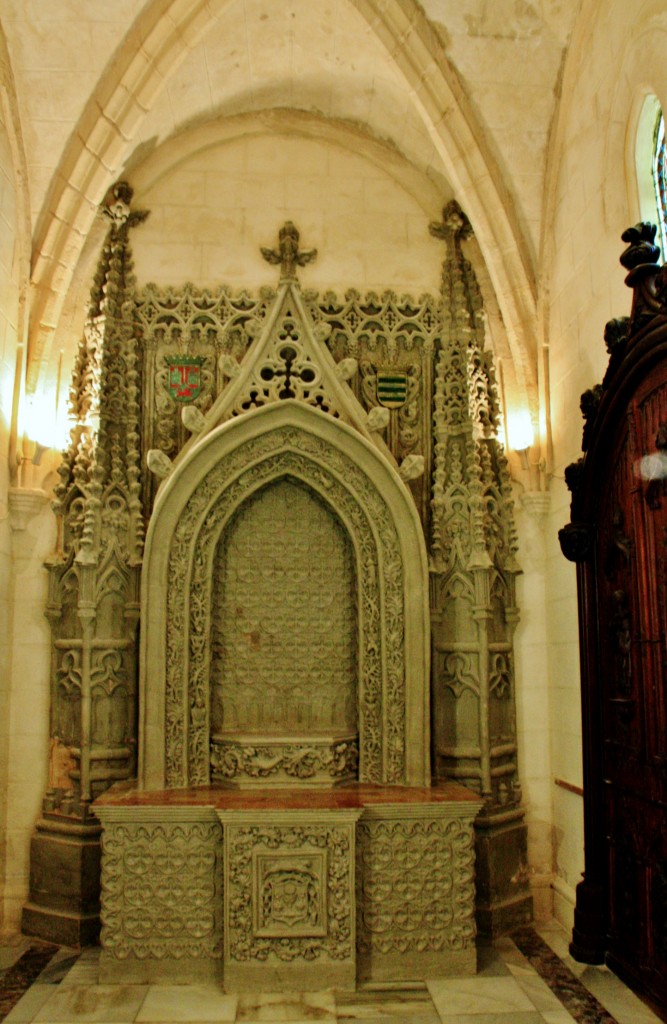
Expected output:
(573, 994)
(17, 979)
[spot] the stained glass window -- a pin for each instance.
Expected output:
(660, 179)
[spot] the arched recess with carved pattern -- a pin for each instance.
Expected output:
(287, 440)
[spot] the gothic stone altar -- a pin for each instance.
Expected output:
(284, 830)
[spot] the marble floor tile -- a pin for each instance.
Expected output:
(418, 1009)
(82, 973)
(186, 1003)
(558, 1017)
(539, 993)
(11, 949)
(456, 997)
(626, 1007)
(555, 937)
(287, 1006)
(30, 1003)
(499, 1017)
(392, 1013)
(59, 966)
(111, 1004)
(395, 1018)
(17, 978)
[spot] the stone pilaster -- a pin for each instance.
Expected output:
(473, 596)
(93, 603)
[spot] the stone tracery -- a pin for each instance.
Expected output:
(270, 412)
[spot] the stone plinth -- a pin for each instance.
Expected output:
(288, 889)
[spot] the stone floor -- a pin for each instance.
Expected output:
(529, 979)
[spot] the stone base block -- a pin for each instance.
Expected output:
(416, 892)
(278, 976)
(503, 901)
(64, 929)
(171, 971)
(502, 918)
(64, 899)
(400, 967)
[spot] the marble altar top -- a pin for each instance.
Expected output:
(126, 794)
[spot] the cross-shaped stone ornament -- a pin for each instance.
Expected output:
(287, 254)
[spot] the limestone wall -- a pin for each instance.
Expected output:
(591, 199)
(213, 209)
(7, 357)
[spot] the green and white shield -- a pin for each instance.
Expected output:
(392, 388)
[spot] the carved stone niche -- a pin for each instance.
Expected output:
(285, 612)
(284, 711)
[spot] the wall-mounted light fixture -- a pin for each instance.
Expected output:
(520, 434)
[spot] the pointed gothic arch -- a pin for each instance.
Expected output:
(192, 509)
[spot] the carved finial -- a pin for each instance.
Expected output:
(287, 254)
(641, 248)
(454, 225)
(116, 206)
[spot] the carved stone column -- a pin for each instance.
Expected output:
(93, 603)
(473, 602)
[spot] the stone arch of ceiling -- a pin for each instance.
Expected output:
(158, 41)
(645, 75)
(430, 189)
(12, 124)
(639, 72)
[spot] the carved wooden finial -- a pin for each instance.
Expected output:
(287, 254)
(641, 246)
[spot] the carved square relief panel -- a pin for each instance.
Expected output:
(289, 894)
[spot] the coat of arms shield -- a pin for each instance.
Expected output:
(392, 388)
(184, 382)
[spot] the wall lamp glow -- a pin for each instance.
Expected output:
(520, 434)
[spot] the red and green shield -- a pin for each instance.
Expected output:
(184, 382)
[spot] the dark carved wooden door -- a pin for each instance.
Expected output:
(631, 559)
(618, 538)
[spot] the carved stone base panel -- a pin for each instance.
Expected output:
(161, 886)
(504, 901)
(64, 904)
(289, 899)
(416, 892)
(249, 761)
(170, 971)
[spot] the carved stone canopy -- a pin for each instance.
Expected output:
(287, 440)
